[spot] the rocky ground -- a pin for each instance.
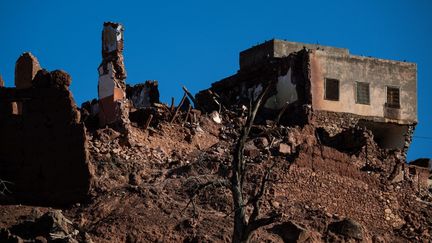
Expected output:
(145, 189)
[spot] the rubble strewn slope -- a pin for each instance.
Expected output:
(145, 180)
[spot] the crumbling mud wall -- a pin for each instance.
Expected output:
(289, 87)
(112, 75)
(43, 151)
(26, 68)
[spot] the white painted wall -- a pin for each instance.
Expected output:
(106, 81)
(286, 92)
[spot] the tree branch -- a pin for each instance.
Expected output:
(202, 186)
(256, 199)
(240, 232)
(3, 187)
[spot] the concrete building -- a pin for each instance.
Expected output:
(328, 86)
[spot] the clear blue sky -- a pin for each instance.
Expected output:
(197, 43)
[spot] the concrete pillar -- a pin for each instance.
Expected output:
(26, 68)
(112, 75)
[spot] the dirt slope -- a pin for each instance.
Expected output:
(143, 182)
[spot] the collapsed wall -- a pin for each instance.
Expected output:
(43, 151)
(298, 77)
(118, 103)
(112, 75)
(289, 83)
(342, 96)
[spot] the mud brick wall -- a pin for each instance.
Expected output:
(419, 176)
(43, 148)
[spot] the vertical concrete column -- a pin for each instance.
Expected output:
(112, 75)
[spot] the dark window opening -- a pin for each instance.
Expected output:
(331, 89)
(362, 93)
(393, 99)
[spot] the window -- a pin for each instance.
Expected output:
(393, 99)
(362, 93)
(331, 89)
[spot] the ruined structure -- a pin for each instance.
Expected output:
(112, 75)
(325, 154)
(143, 95)
(327, 86)
(43, 145)
(26, 68)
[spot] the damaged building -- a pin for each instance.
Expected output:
(43, 153)
(45, 137)
(116, 100)
(326, 86)
(112, 75)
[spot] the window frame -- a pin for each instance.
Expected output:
(357, 83)
(325, 89)
(398, 106)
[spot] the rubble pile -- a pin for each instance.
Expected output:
(127, 168)
(326, 193)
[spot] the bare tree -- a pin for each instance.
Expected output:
(3, 187)
(244, 226)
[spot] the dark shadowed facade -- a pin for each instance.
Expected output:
(43, 149)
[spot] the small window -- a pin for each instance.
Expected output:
(362, 93)
(331, 89)
(393, 99)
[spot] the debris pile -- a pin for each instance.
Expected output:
(127, 168)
